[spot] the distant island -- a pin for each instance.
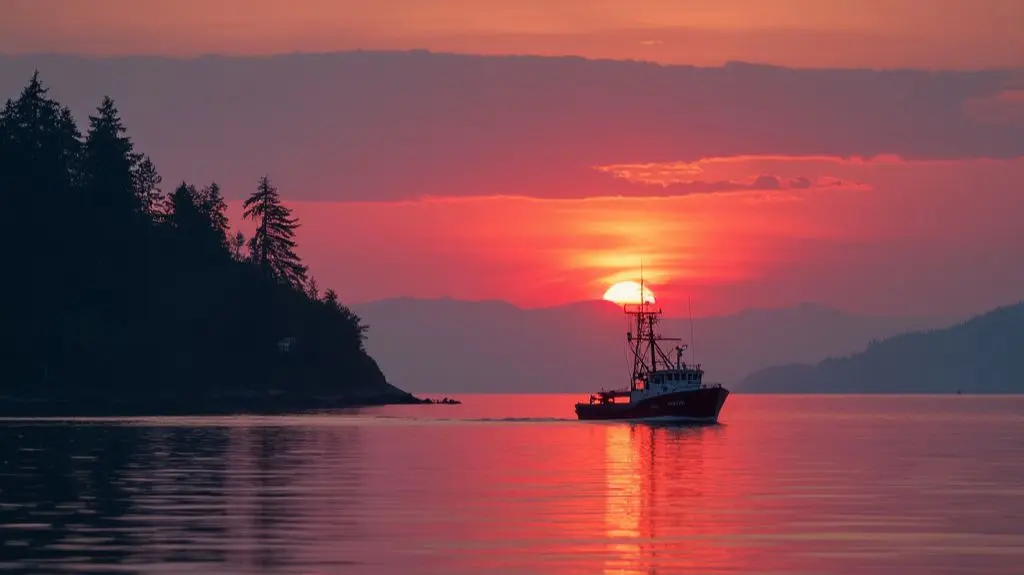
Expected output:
(121, 299)
(982, 355)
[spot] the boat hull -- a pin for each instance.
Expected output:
(699, 406)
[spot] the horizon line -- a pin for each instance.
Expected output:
(498, 55)
(592, 301)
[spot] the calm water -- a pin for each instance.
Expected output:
(514, 485)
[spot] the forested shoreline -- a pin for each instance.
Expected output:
(121, 297)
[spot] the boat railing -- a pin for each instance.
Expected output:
(613, 393)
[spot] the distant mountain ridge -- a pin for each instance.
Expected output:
(984, 354)
(449, 345)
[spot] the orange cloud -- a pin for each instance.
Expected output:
(675, 185)
(734, 174)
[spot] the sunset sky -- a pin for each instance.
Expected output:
(876, 164)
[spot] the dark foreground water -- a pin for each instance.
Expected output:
(908, 485)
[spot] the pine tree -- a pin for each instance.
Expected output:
(312, 289)
(115, 224)
(182, 208)
(198, 218)
(147, 188)
(110, 167)
(40, 147)
(272, 246)
(331, 298)
(212, 204)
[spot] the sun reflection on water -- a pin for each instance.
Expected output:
(656, 483)
(624, 488)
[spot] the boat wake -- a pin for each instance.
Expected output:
(524, 419)
(416, 419)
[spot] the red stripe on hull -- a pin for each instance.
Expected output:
(696, 405)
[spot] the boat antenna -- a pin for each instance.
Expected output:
(642, 285)
(693, 350)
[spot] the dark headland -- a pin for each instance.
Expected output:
(980, 355)
(127, 296)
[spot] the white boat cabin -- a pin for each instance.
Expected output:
(656, 383)
(667, 381)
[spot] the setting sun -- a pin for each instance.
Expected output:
(628, 292)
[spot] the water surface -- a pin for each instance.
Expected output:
(513, 484)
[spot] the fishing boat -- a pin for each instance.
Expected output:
(660, 388)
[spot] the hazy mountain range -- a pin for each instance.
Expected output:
(444, 345)
(981, 355)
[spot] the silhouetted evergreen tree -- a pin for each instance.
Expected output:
(215, 209)
(147, 188)
(198, 217)
(331, 298)
(182, 209)
(312, 289)
(116, 237)
(40, 147)
(110, 168)
(272, 245)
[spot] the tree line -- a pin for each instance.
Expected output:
(114, 286)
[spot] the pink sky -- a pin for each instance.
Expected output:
(542, 181)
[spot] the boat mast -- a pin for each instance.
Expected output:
(645, 329)
(693, 348)
(651, 340)
(638, 360)
(635, 348)
(649, 318)
(649, 327)
(645, 341)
